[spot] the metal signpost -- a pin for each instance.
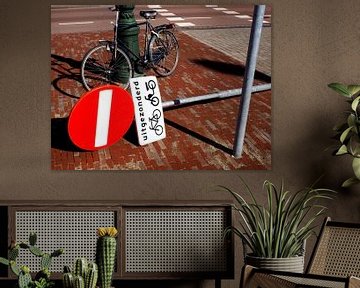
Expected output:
(253, 50)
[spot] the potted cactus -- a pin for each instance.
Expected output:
(84, 275)
(42, 278)
(106, 254)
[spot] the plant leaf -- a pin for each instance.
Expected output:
(355, 103)
(349, 182)
(356, 167)
(353, 89)
(340, 88)
(342, 150)
(345, 134)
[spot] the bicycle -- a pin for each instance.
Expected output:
(154, 122)
(112, 62)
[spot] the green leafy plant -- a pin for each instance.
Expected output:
(349, 131)
(42, 278)
(279, 229)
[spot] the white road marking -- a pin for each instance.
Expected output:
(161, 10)
(231, 12)
(103, 118)
(175, 18)
(264, 22)
(154, 6)
(220, 9)
(194, 18)
(76, 23)
(185, 24)
(165, 14)
(211, 6)
(267, 16)
(243, 16)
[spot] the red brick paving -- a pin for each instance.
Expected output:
(199, 136)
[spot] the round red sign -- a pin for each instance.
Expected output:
(101, 117)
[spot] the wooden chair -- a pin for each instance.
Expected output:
(335, 262)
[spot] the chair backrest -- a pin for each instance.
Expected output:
(337, 251)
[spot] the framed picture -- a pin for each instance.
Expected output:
(195, 56)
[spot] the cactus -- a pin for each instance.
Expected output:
(14, 268)
(45, 261)
(88, 273)
(24, 277)
(105, 254)
(79, 282)
(68, 280)
(80, 267)
(91, 276)
(32, 239)
(13, 253)
(42, 278)
(36, 251)
(4, 261)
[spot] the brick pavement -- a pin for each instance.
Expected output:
(234, 42)
(199, 136)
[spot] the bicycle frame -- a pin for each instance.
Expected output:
(149, 30)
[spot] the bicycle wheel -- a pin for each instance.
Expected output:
(99, 67)
(164, 52)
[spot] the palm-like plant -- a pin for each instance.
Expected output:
(280, 229)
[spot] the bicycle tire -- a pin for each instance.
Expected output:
(163, 52)
(100, 68)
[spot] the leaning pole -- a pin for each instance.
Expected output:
(253, 50)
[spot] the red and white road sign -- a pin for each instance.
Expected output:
(101, 117)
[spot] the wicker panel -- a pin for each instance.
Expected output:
(175, 241)
(75, 231)
(338, 253)
(313, 282)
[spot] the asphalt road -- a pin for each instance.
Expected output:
(78, 18)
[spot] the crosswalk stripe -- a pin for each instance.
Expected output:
(76, 23)
(154, 6)
(185, 24)
(243, 16)
(211, 6)
(164, 14)
(160, 10)
(175, 19)
(231, 12)
(220, 9)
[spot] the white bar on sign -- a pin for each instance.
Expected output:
(103, 118)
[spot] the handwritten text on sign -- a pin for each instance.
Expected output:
(148, 109)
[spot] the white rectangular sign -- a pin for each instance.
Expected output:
(149, 116)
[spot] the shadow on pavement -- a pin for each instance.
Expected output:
(67, 69)
(131, 135)
(199, 136)
(60, 138)
(229, 68)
